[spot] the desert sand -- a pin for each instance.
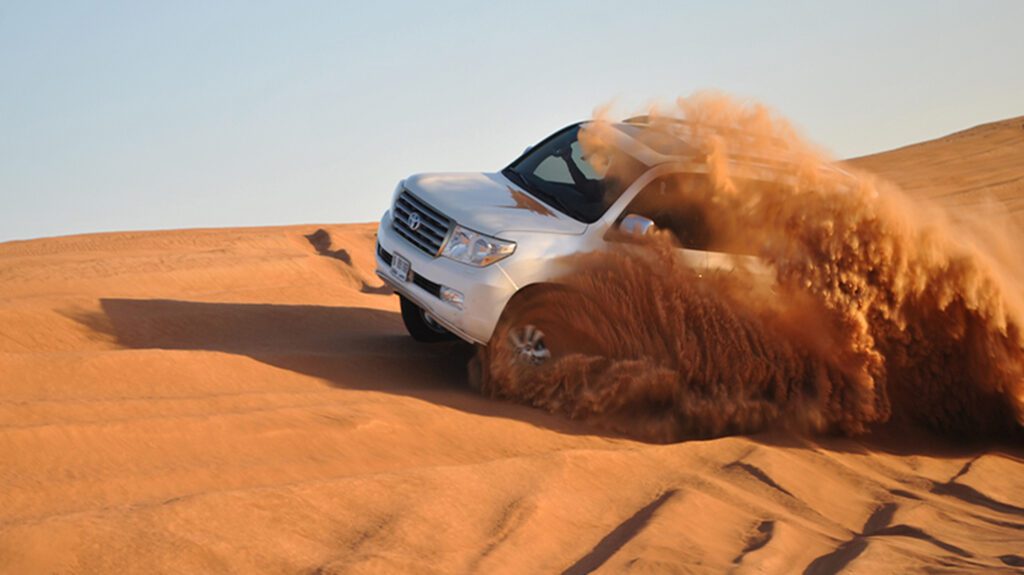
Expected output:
(247, 401)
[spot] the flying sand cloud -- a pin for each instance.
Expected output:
(869, 306)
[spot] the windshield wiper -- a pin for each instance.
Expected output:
(516, 177)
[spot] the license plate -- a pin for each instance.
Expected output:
(400, 267)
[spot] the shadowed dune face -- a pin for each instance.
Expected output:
(341, 345)
(349, 347)
(877, 307)
(242, 327)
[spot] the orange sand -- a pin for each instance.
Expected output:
(235, 400)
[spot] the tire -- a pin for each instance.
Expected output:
(538, 328)
(420, 325)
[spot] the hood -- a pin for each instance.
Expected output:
(490, 204)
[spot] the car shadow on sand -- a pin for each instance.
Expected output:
(346, 347)
(369, 349)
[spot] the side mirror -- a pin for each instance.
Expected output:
(527, 150)
(635, 225)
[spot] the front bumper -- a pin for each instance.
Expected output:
(486, 290)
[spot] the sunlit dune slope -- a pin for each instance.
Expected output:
(246, 401)
(965, 170)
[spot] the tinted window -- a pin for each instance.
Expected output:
(557, 173)
(668, 204)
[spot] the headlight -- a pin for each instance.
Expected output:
(476, 249)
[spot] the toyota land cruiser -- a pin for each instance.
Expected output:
(460, 249)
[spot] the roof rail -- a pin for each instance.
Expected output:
(645, 119)
(781, 143)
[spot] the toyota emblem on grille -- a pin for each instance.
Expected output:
(414, 221)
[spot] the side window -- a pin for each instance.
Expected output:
(665, 202)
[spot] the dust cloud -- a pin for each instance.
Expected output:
(847, 305)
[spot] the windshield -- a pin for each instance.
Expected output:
(557, 173)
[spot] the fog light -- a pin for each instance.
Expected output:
(451, 296)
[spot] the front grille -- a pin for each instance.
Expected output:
(432, 226)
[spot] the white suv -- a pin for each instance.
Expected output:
(460, 248)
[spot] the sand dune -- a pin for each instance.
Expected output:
(246, 400)
(980, 169)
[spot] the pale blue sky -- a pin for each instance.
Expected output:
(142, 115)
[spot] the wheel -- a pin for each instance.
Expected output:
(541, 325)
(421, 325)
